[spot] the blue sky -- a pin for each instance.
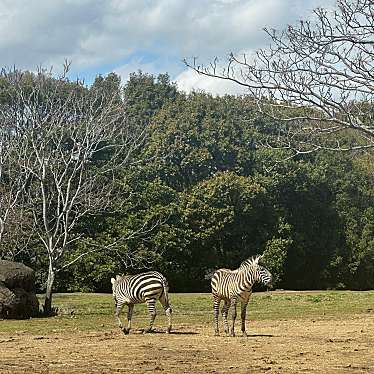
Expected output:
(100, 36)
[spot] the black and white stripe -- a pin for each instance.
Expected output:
(141, 288)
(232, 285)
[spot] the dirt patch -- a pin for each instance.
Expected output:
(287, 346)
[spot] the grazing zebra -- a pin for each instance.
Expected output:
(231, 285)
(134, 289)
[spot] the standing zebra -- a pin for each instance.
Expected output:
(231, 285)
(134, 289)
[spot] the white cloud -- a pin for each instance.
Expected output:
(189, 81)
(98, 33)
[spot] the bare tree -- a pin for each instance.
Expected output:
(317, 78)
(74, 142)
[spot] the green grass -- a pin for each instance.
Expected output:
(90, 312)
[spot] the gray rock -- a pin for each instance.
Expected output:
(17, 291)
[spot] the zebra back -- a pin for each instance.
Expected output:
(133, 289)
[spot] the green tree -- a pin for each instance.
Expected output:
(197, 136)
(228, 219)
(145, 95)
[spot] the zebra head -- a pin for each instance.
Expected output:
(114, 284)
(264, 276)
(259, 273)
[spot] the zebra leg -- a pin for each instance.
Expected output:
(224, 311)
(243, 313)
(168, 311)
(117, 314)
(216, 302)
(151, 304)
(129, 317)
(233, 315)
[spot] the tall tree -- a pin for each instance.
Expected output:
(145, 95)
(74, 142)
(317, 76)
(197, 136)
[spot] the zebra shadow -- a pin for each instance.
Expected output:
(141, 331)
(184, 333)
(248, 336)
(254, 335)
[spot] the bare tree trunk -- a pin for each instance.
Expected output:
(48, 291)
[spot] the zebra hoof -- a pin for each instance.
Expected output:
(216, 333)
(125, 331)
(147, 331)
(168, 330)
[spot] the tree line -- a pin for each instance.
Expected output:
(117, 178)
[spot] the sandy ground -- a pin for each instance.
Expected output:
(287, 346)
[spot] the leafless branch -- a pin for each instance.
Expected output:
(126, 257)
(318, 72)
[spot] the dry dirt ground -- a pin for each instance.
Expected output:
(288, 346)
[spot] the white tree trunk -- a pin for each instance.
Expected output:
(49, 290)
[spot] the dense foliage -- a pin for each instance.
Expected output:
(206, 194)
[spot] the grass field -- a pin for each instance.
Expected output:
(317, 331)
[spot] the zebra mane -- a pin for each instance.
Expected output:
(251, 261)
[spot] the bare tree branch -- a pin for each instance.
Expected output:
(317, 75)
(127, 258)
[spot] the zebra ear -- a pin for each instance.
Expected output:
(259, 258)
(112, 280)
(118, 277)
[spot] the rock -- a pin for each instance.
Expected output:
(17, 275)
(17, 291)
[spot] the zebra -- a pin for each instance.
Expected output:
(135, 289)
(231, 285)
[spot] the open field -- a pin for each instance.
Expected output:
(289, 332)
